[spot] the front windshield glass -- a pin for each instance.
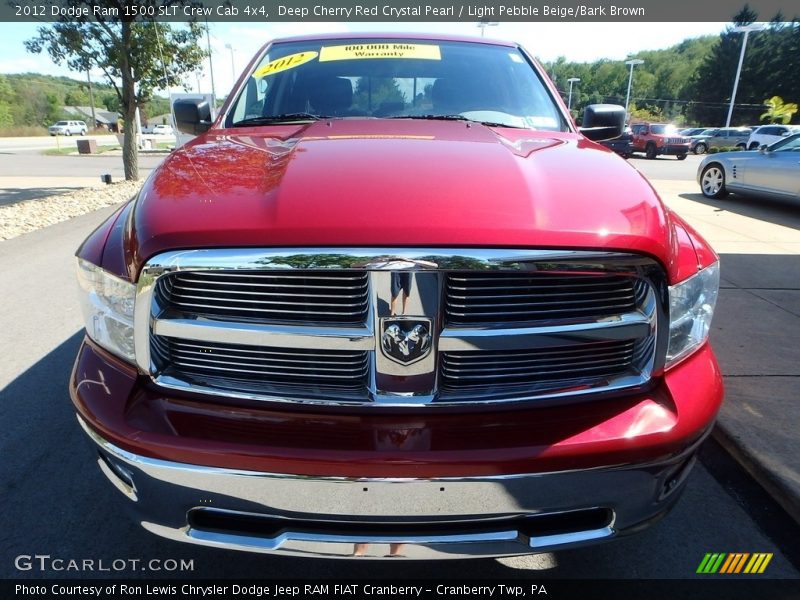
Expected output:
(664, 129)
(788, 144)
(391, 79)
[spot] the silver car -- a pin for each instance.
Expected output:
(720, 137)
(772, 172)
(67, 128)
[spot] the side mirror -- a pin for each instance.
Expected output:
(763, 148)
(192, 116)
(603, 122)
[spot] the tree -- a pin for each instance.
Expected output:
(111, 102)
(76, 98)
(135, 56)
(778, 111)
(370, 93)
(6, 99)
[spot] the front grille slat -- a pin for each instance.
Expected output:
(455, 365)
(291, 314)
(285, 297)
(497, 299)
(284, 364)
(264, 369)
(493, 372)
(196, 290)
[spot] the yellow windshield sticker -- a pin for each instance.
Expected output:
(285, 63)
(356, 51)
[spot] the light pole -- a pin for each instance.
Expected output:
(746, 29)
(484, 24)
(632, 63)
(569, 98)
(233, 66)
(211, 69)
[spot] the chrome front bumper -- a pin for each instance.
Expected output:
(413, 518)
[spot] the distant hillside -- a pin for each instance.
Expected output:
(36, 100)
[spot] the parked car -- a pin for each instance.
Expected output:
(720, 137)
(438, 323)
(623, 145)
(772, 172)
(67, 128)
(159, 130)
(655, 139)
(768, 134)
(692, 131)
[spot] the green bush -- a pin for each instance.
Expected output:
(713, 150)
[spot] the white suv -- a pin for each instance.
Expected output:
(768, 134)
(163, 130)
(67, 128)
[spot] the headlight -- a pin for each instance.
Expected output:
(107, 303)
(691, 307)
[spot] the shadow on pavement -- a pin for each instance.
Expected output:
(755, 332)
(10, 196)
(778, 212)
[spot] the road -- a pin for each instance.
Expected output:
(57, 503)
(27, 174)
(14, 145)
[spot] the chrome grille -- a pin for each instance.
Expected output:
(311, 325)
(263, 369)
(490, 299)
(586, 365)
(276, 297)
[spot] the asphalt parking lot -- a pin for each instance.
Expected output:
(57, 503)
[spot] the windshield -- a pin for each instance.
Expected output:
(61, 123)
(788, 144)
(663, 129)
(395, 79)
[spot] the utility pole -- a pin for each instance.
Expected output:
(571, 80)
(631, 63)
(746, 29)
(91, 98)
(211, 69)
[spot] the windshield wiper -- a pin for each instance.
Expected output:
(433, 117)
(277, 119)
(457, 117)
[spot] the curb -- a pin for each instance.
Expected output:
(767, 479)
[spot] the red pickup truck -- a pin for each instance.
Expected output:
(655, 139)
(390, 301)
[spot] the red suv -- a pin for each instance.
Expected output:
(370, 310)
(655, 139)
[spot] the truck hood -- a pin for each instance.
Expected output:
(397, 183)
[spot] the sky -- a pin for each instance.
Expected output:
(578, 42)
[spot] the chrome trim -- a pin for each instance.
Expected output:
(253, 334)
(362, 258)
(634, 325)
(167, 492)
(425, 265)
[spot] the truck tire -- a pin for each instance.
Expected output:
(681, 157)
(650, 151)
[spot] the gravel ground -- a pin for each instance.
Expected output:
(30, 215)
